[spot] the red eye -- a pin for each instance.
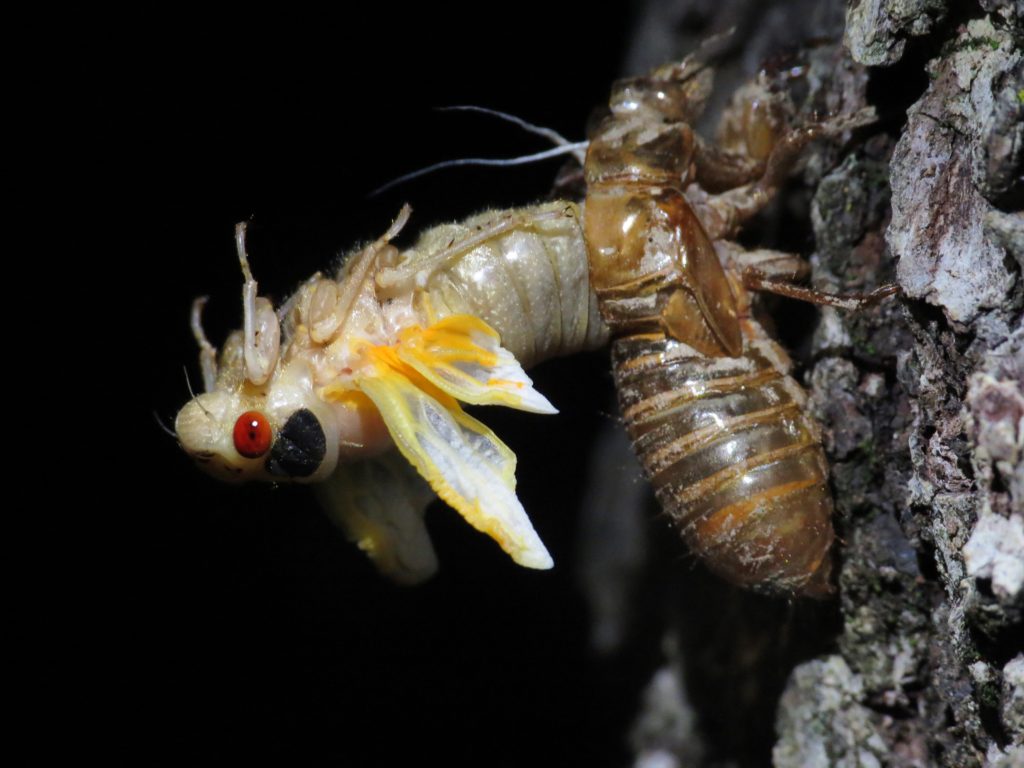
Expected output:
(252, 434)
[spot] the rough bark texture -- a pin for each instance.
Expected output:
(919, 662)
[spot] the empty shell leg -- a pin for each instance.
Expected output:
(764, 262)
(723, 214)
(718, 170)
(852, 301)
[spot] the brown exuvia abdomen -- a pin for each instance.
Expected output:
(734, 459)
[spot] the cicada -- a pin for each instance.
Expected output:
(357, 382)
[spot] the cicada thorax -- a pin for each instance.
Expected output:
(717, 422)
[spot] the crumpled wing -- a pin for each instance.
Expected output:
(464, 461)
(462, 356)
(379, 504)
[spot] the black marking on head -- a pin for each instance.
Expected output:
(299, 447)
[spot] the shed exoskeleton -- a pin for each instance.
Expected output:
(719, 425)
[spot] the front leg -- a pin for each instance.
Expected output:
(717, 169)
(749, 128)
(723, 214)
(261, 330)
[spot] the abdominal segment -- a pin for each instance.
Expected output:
(734, 460)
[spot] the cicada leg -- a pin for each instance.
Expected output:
(764, 262)
(260, 328)
(757, 116)
(852, 301)
(719, 170)
(207, 352)
(770, 271)
(722, 214)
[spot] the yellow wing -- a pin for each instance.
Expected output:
(464, 461)
(462, 356)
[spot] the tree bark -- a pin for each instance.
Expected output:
(919, 661)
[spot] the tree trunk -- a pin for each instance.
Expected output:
(919, 661)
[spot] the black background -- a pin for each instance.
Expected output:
(235, 623)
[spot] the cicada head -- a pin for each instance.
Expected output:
(260, 418)
(279, 431)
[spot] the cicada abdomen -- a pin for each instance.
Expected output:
(718, 423)
(733, 458)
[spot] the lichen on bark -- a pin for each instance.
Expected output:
(956, 146)
(877, 30)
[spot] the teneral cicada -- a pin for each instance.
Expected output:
(324, 388)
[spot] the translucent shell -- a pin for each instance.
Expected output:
(718, 424)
